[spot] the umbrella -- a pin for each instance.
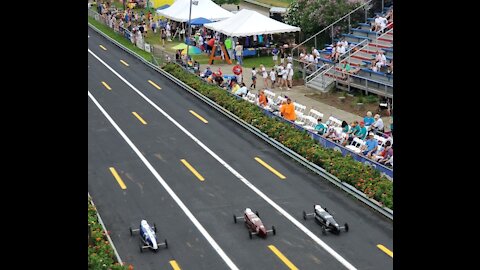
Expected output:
(180, 46)
(192, 50)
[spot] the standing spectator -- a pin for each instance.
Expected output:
(368, 119)
(284, 78)
(153, 25)
(287, 110)
(263, 70)
(289, 75)
(272, 77)
(163, 36)
(229, 47)
(290, 58)
(239, 53)
(275, 55)
(168, 31)
(370, 145)
(283, 56)
(279, 75)
(237, 70)
(254, 78)
(377, 126)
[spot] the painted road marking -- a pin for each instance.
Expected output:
(198, 116)
(154, 85)
(386, 250)
(167, 188)
(117, 177)
(240, 177)
(199, 176)
(174, 265)
(101, 46)
(139, 118)
(281, 176)
(106, 85)
(282, 257)
(125, 63)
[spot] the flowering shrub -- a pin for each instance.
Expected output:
(100, 252)
(355, 173)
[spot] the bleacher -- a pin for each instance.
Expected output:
(361, 57)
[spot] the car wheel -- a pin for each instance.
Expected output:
(234, 219)
(304, 215)
(256, 213)
(346, 227)
(131, 232)
(166, 244)
(250, 235)
(324, 230)
(274, 231)
(155, 227)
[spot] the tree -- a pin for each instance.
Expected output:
(221, 2)
(314, 15)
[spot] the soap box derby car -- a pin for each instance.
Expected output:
(148, 236)
(254, 224)
(326, 220)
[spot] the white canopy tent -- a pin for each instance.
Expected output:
(179, 11)
(248, 23)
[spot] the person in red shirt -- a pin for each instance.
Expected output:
(237, 70)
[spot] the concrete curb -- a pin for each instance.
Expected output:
(313, 167)
(106, 232)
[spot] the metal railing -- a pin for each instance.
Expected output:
(331, 27)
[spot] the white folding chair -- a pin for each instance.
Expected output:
(355, 145)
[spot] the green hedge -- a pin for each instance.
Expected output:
(355, 173)
(100, 252)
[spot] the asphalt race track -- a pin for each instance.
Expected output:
(213, 201)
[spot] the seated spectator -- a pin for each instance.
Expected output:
(262, 99)
(335, 134)
(207, 73)
(345, 127)
(218, 78)
(384, 154)
(368, 119)
(390, 67)
(377, 126)
(287, 110)
(235, 87)
(321, 128)
(242, 91)
(370, 146)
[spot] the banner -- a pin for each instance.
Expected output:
(147, 47)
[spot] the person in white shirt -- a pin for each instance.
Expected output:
(280, 75)
(290, 58)
(378, 124)
(272, 77)
(315, 52)
(383, 23)
(340, 51)
(284, 78)
(376, 24)
(264, 73)
(289, 75)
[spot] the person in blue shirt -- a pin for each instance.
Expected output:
(370, 145)
(368, 120)
(321, 128)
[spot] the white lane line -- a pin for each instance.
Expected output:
(234, 172)
(189, 214)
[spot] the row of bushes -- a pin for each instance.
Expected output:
(355, 173)
(100, 252)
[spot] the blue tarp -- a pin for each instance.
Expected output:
(163, 7)
(200, 21)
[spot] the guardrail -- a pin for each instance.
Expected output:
(313, 167)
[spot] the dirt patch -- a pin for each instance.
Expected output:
(348, 104)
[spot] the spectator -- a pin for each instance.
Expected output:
(235, 87)
(263, 70)
(239, 53)
(362, 132)
(340, 50)
(272, 77)
(384, 154)
(287, 110)
(368, 119)
(254, 78)
(376, 23)
(380, 58)
(242, 91)
(229, 47)
(345, 127)
(283, 56)
(279, 75)
(335, 134)
(290, 58)
(289, 76)
(377, 126)
(284, 78)
(237, 70)
(390, 67)
(275, 55)
(320, 127)
(262, 99)
(163, 36)
(370, 145)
